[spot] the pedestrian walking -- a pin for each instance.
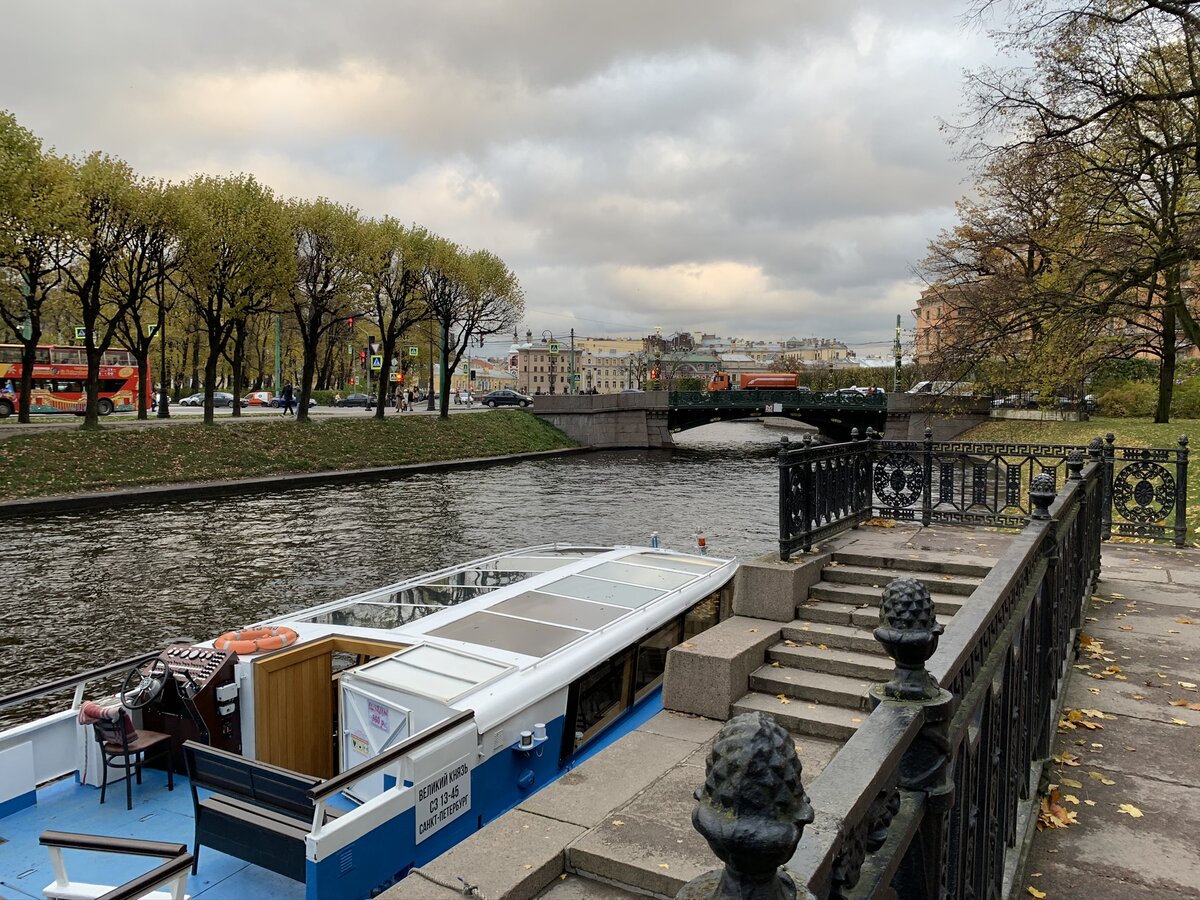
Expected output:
(287, 400)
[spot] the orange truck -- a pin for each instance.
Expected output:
(754, 381)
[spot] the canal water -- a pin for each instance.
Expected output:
(86, 589)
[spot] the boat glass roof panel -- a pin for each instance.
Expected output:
(695, 564)
(372, 615)
(643, 575)
(560, 610)
(432, 672)
(504, 633)
(583, 588)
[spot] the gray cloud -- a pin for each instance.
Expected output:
(759, 169)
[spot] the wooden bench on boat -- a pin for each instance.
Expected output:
(257, 812)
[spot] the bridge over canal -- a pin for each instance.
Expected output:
(649, 418)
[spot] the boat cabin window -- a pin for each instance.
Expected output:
(651, 660)
(603, 694)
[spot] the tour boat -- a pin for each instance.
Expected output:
(327, 752)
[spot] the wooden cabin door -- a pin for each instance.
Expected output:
(294, 704)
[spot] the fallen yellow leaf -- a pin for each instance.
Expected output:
(1130, 810)
(1036, 893)
(1179, 721)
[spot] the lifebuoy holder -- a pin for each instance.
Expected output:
(256, 640)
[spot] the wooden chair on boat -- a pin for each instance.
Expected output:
(119, 752)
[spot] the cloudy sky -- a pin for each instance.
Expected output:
(769, 168)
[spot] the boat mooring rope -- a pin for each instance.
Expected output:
(466, 888)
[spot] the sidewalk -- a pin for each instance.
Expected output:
(1133, 781)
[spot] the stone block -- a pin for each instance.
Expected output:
(710, 671)
(515, 857)
(589, 792)
(768, 588)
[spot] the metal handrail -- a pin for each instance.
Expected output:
(71, 681)
(177, 859)
(350, 776)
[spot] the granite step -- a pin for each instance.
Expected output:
(843, 637)
(850, 663)
(897, 565)
(814, 687)
(869, 597)
(799, 717)
(960, 585)
(843, 614)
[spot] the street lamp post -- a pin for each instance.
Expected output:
(164, 399)
(548, 340)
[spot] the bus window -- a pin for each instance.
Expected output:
(117, 358)
(41, 355)
(10, 354)
(600, 696)
(68, 356)
(651, 660)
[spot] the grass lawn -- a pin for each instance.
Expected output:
(67, 462)
(1128, 433)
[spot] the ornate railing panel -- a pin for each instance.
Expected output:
(953, 482)
(823, 489)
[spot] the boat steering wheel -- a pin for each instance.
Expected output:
(144, 684)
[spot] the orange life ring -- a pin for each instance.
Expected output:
(256, 640)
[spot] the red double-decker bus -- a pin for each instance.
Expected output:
(60, 380)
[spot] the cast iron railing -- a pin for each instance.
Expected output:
(826, 488)
(751, 399)
(931, 797)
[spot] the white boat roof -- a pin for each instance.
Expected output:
(470, 624)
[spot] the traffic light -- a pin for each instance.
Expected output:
(362, 355)
(350, 322)
(654, 374)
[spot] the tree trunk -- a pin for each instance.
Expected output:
(311, 340)
(1166, 369)
(143, 366)
(210, 375)
(239, 353)
(28, 359)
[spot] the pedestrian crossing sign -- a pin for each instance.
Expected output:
(413, 351)
(376, 363)
(80, 332)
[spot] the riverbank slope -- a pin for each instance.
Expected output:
(91, 460)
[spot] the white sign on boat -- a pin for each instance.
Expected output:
(443, 797)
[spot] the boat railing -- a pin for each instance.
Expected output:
(321, 792)
(78, 681)
(174, 871)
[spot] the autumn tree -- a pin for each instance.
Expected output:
(468, 295)
(327, 243)
(393, 262)
(139, 276)
(36, 220)
(106, 214)
(235, 255)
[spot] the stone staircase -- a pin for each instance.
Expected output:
(815, 681)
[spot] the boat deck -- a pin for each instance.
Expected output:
(157, 815)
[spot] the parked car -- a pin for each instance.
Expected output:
(220, 398)
(258, 398)
(356, 400)
(505, 397)
(277, 402)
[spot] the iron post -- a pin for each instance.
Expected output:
(1181, 474)
(164, 398)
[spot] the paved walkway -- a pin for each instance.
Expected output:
(1133, 783)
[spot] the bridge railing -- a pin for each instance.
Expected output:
(930, 798)
(926, 797)
(763, 400)
(826, 488)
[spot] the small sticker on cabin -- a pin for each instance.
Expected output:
(378, 714)
(359, 744)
